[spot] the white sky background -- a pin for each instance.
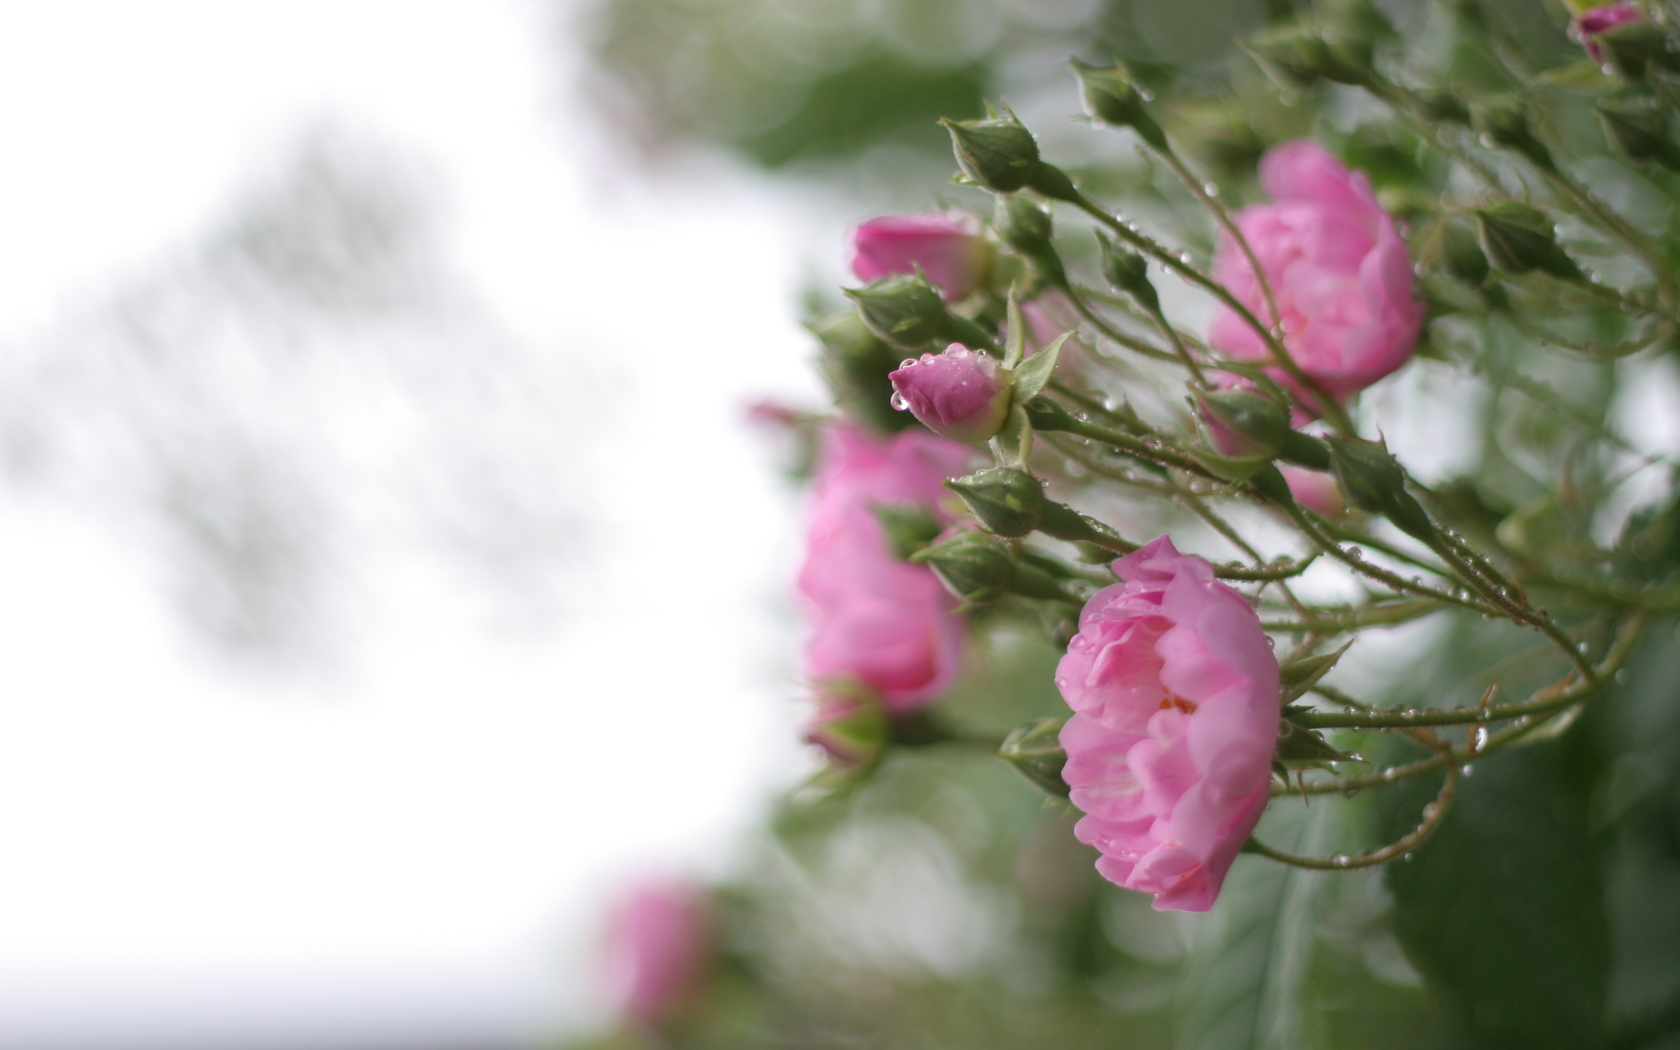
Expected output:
(408, 841)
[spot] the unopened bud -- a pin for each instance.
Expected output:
(1127, 271)
(1300, 55)
(1503, 120)
(1244, 424)
(1113, 97)
(1005, 500)
(852, 729)
(909, 527)
(1517, 238)
(904, 309)
(1620, 35)
(1035, 750)
(855, 362)
(998, 153)
(1372, 481)
(973, 566)
(1026, 226)
(1640, 131)
(961, 394)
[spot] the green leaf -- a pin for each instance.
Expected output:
(1013, 444)
(1247, 971)
(1503, 910)
(1016, 348)
(1035, 371)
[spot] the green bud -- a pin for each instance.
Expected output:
(1127, 271)
(1026, 226)
(1244, 424)
(1640, 131)
(904, 309)
(1045, 415)
(855, 364)
(973, 566)
(1005, 500)
(1035, 750)
(1518, 238)
(1304, 450)
(1503, 120)
(1300, 55)
(998, 153)
(852, 726)
(1113, 97)
(1635, 46)
(909, 527)
(1441, 107)
(1373, 481)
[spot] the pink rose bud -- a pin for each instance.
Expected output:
(1600, 20)
(1315, 491)
(961, 394)
(851, 730)
(877, 620)
(1337, 266)
(947, 246)
(658, 950)
(1177, 698)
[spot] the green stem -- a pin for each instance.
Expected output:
(1433, 814)
(1326, 405)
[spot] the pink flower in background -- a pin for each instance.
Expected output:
(875, 618)
(1337, 266)
(658, 950)
(1176, 698)
(948, 247)
(961, 394)
(1591, 24)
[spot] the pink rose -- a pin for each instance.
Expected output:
(875, 618)
(1176, 698)
(1600, 20)
(1337, 266)
(961, 394)
(658, 949)
(948, 247)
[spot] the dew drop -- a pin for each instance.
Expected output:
(1465, 770)
(1355, 553)
(1340, 860)
(1481, 739)
(1211, 189)
(908, 362)
(1622, 675)
(1405, 857)
(900, 403)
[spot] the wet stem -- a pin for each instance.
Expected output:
(1327, 406)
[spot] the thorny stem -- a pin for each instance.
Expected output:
(1328, 622)
(1326, 405)
(1222, 215)
(1103, 325)
(1541, 705)
(1433, 814)
(1158, 451)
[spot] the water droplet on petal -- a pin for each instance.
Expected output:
(900, 403)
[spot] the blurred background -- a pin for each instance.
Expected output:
(391, 575)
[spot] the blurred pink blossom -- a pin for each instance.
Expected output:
(659, 948)
(876, 619)
(948, 246)
(1176, 697)
(960, 394)
(1337, 266)
(1592, 24)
